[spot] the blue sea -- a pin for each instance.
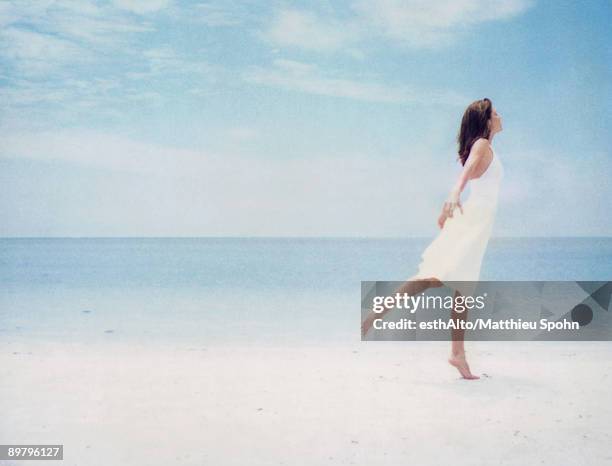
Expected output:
(200, 291)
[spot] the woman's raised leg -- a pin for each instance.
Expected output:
(410, 287)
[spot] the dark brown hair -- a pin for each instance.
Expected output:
(474, 125)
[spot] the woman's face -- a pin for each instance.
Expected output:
(496, 122)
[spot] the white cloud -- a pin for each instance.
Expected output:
(167, 60)
(306, 30)
(433, 23)
(217, 14)
(71, 51)
(110, 30)
(308, 78)
(161, 59)
(154, 188)
(33, 53)
(414, 23)
(79, 21)
(213, 14)
(44, 39)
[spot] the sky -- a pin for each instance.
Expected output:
(222, 118)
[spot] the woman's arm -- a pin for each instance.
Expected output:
(477, 153)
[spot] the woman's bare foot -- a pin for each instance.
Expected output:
(366, 325)
(459, 361)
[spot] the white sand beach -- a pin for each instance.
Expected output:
(370, 403)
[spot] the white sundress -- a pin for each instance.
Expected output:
(456, 253)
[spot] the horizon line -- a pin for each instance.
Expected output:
(291, 237)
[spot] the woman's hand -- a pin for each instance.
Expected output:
(449, 207)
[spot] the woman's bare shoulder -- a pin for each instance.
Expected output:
(480, 148)
(481, 144)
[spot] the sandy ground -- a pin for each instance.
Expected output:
(366, 404)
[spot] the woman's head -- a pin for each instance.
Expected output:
(480, 120)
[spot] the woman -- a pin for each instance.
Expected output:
(456, 253)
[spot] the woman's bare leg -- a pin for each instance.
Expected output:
(410, 287)
(457, 358)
